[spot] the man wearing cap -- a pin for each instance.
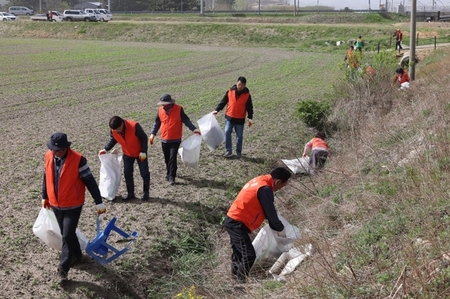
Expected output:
(130, 135)
(66, 176)
(239, 104)
(170, 119)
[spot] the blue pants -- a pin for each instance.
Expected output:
(239, 130)
(128, 163)
(68, 222)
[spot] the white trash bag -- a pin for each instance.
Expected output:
(211, 131)
(190, 150)
(268, 245)
(289, 261)
(47, 229)
(299, 165)
(110, 175)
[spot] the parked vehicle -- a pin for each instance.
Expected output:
(4, 16)
(77, 15)
(102, 17)
(108, 14)
(57, 17)
(20, 10)
(94, 13)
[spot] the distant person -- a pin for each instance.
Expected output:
(370, 72)
(239, 105)
(319, 151)
(50, 16)
(359, 44)
(253, 204)
(402, 78)
(130, 135)
(66, 176)
(398, 39)
(170, 119)
(351, 58)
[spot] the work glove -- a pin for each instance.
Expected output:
(150, 140)
(250, 123)
(142, 157)
(282, 234)
(46, 204)
(215, 112)
(102, 152)
(100, 208)
(197, 131)
(304, 155)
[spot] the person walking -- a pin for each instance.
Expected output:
(130, 135)
(319, 151)
(402, 78)
(398, 39)
(239, 103)
(66, 176)
(359, 44)
(253, 204)
(170, 119)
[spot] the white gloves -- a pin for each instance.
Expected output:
(250, 123)
(142, 157)
(282, 234)
(197, 131)
(151, 139)
(102, 152)
(100, 208)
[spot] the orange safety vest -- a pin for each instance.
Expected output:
(403, 78)
(171, 124)
(71, 189)
(236, 108)
(318, 143)
(131, 145)
(246, 208)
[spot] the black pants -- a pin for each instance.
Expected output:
(170, 151)
(398, 45)
(128, 169)
(244, 254)
(68, 222)
(318, 159)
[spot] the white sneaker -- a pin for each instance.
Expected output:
(228, 155)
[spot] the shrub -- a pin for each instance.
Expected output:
(314, 113)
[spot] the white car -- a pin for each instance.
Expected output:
(4, 16)
(108, 14)
(99, 14)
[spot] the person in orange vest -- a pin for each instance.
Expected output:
(170, 119)
(319, 151)
(402, 77)
(398, 39)
(253, 204)
(351, 58)
(66, 176)
(130, 135)
(239, 104)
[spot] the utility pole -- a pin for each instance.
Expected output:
(412, 42)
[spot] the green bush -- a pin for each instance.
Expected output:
(314, 113)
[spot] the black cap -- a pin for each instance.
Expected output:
(58, 141)
(166, 99)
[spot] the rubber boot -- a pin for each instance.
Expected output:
(146, 187)
(130, 190)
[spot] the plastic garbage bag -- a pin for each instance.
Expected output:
(211, 131)
(299, 165)
(268, 245)
(289, 261)
(190, 151)
(110, 175)
(47, 229)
